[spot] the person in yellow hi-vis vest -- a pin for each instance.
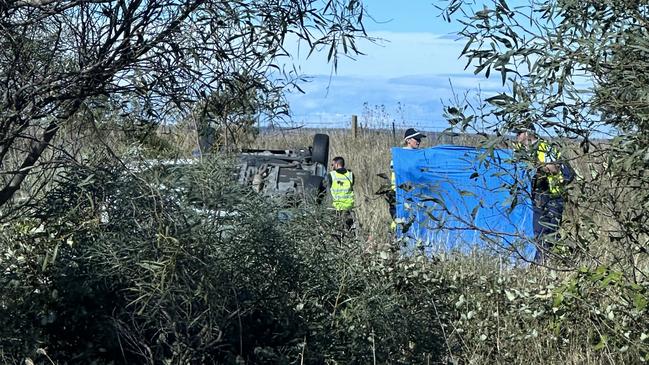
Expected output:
(412, 140)
(547, 188)
(340, 182)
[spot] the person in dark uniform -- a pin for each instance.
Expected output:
(547, 188)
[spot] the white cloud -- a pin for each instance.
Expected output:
(394, 54)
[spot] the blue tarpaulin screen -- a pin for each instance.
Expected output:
(453, 197)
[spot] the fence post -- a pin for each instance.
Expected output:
(354, 126)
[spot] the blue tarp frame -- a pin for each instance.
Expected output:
(462, 198)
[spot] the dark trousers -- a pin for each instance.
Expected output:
(546, 217)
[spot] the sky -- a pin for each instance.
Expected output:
(407, 74)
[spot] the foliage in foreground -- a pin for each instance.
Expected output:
(184, 267)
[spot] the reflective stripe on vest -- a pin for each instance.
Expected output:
(342, 190)
(555, 181)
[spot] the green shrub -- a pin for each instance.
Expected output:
(186, 267)
(533, 316)
(178, 265)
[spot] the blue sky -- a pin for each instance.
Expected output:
(412, 66)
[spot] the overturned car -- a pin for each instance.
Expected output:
(291, 174)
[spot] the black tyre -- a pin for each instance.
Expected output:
(320, 149)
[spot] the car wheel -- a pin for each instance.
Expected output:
(320, 149)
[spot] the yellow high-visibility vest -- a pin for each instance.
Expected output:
(342, 190)
(555, 181)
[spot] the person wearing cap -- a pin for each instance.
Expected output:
(547, 187)
(412, 140)
(340, 182)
